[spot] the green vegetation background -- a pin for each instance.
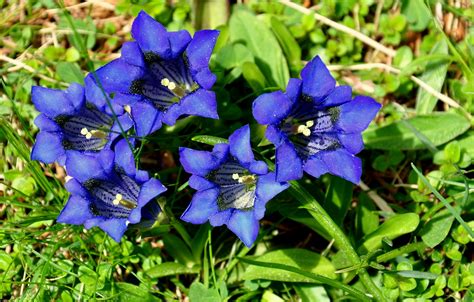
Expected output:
(404, 231)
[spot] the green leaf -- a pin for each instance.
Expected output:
(169, 269)
(87, 275)
(233, 55)
(436, 230)
(199, 293)
(72, 55)
(434, 76)
(69, 72)
(338, 198)
(418, 15)
(367, 219)
(392, 228)
(467, 144)
(247, 29)
(253, 76)
(178, 249)
(310, 293)
(209, 139)
(298, 258)
(289, 45)
(317, 278)
(417, 274)
(439, 128)
(132, 293)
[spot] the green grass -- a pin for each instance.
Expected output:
(405, 235)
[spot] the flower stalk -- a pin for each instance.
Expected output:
(341, 241)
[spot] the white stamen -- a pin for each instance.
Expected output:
(89, 135)
(84, 131)
(235, 176)
(304, 129)
(171, 85)
(165, 82)
(117, 199)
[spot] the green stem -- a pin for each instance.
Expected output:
(318, 212)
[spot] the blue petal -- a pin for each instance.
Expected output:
(355, 116)
(267, 188)
(201, 103)
(125, 124)
(317, 80)
(48, 147)
(203, 205)
(149, 190)
(245, 226)
(151, 35)
(339, 162)
(124, 157)
(271, 108)
(258, 167)
(275, 135)
(205, 78)
(288, 164)
(76, 211)
(200, 49)
(202, 162)
(132, 54)
(114, 227)
(239, 144)
(293, 89)
(84, 167)
(315, 166)
(117, 76)
(146, 117)
(221, 217)
(44, 123)
(351, 141)
(200, 183)
(340, 95)
(54, 102)
(179, 40)
(75, 188)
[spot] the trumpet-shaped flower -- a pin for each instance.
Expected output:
(160, 76)
(107, 191)
(70, 122)
(315, 126)
(232, 187)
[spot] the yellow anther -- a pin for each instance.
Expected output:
(165, 82)
(84, 131)
(128, 109)
(304, 129)
(117, 199)
(171, 85)
(309, 124)
(235, 176)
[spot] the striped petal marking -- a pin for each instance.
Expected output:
(115, 198)
(237, 186)
(87, 131)
(165, 82)
(311, 130)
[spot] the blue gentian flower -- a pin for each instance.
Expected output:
(232, 187)
(160, 76)
(107, 191)
(315, 126)
(70, 122)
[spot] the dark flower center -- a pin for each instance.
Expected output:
(115, 198)
(166, 81)
(311, 130)
(237, 186)
(87, 131)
